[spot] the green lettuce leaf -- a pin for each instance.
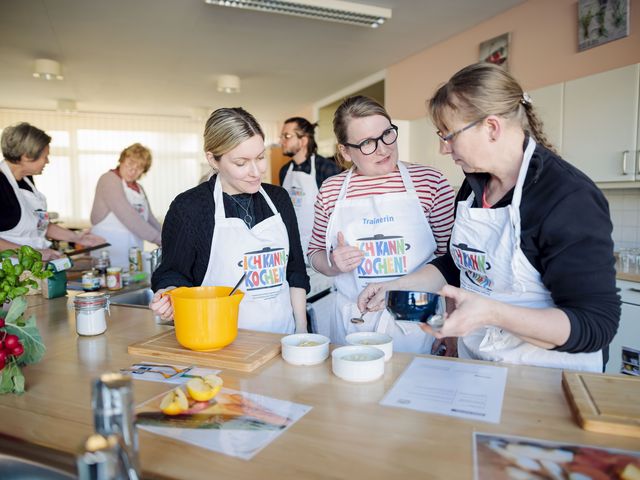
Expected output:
(17, 308)
(11, 379)
(30, 338)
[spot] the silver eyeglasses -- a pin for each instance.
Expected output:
(447, 138)
(370, 145)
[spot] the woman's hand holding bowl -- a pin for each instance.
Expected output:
(161, 305)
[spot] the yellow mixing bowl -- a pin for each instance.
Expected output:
(206, 318)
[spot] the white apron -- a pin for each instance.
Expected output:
(34, 218)
(303, 189)
(395, 236)
(262, 253)
(119, 236)
(485, 246)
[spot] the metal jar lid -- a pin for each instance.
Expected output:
(91, 301)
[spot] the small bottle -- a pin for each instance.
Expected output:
(102, 264)
(90, 308)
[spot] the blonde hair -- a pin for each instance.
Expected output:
(23, 139)
(140, 154)
(227, 128)
(483, 89)
(357, 106)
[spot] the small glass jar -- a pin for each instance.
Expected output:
(90, 281)
(90, 308)
(114, 278)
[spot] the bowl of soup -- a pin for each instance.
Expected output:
(373, 339)
(358, 363)
(305, 348)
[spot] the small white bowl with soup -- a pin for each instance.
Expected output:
(358, 363)
(305, 348)
(373, 339)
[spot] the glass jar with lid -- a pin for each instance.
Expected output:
(90, 308)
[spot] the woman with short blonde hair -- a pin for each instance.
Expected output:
(121, 211)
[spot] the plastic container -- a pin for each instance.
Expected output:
(205, 318)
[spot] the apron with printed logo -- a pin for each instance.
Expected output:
(119, 236)
(262, 253)
(396, 238)
(485, 246)
(34, 218)
(303, 189)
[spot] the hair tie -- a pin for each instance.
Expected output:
(526, 99)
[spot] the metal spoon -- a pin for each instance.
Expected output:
(358, 319)
(238, 284)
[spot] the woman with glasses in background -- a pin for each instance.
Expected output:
(531, 248)
(380, 219)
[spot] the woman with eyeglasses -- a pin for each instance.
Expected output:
(380, 219)
(530, 267)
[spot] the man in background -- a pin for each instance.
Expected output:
(304, 174)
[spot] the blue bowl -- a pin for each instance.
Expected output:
(413, 306)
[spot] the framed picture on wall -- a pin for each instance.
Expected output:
(601, 21)
(496, 50)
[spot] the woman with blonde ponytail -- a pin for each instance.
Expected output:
(529, 273)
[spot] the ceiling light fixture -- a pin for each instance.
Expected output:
(47, 69)
(229, 84)
(329, 10)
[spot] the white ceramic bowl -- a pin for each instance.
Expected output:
(358, 363)
(373, 339)
(305, 348)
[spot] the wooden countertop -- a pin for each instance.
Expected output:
(346, 435)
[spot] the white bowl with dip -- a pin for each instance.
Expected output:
(305, 348)
(358, 363)
(373, 339)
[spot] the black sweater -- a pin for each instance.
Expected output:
(188, 230)
(9, 205)
(566, 235)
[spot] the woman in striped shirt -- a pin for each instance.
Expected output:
(379, 220)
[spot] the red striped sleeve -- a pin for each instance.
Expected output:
(434, 192)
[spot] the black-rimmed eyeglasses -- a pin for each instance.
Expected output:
(447, 138)
(370, 145)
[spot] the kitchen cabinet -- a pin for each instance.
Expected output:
(600, 124)
(548, 105)
(628, 334)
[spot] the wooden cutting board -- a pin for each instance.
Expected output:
(249, 350)
(604, 403)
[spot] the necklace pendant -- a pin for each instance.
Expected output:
(247, 219)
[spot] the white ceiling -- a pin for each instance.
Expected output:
(163, 56)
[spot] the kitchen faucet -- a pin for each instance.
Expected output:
(112, 403)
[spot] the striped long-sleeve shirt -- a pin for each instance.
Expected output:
(433, 189)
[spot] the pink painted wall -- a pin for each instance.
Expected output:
(543, 51)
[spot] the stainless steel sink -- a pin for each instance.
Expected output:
(22, 460)
(18, 468)
(135, 298)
